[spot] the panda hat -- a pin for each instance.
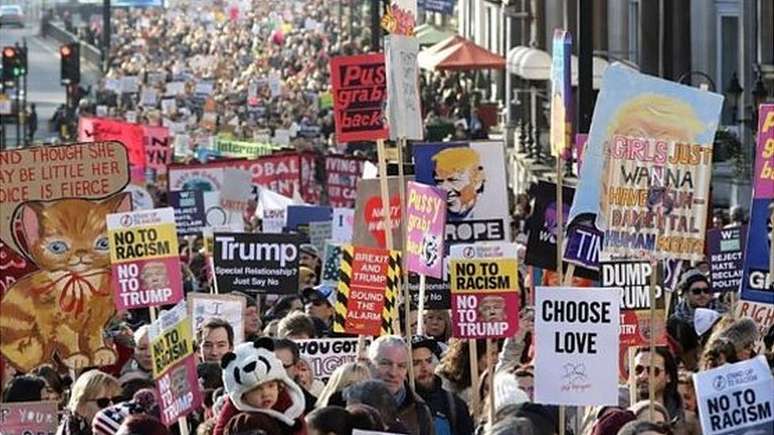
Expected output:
(252, 364)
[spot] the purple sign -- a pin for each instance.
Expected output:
(426, 211)
(583, 245)
(764, 158)
(726, 248)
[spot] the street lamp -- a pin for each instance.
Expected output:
(733, 92)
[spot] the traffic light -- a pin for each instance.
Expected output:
(21, 53)
(9, 64)
(71, 63)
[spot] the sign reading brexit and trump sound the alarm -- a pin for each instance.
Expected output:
(145, 259)
(485, 297)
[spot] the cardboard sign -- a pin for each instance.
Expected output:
(243, 149)
(365, 302)
(144, 258)
(203, 307)
(190, 214)
(583, 244)
(483, 250)
(256, 263)
(28, 418)
(158, 149)
(726, 250)
(404, 109)
(425, 223)
(104, 130)
(273, 220)
(325, 355)
(341, 174)
(485, 298)
(236, 194)
(369, 222)
(319, 232)
(474, 177)
(300, 216)
(437, 291)
(764, 153)
(174, 364)
(633, 278)
(646, 166)
(761, 313)
(343, 222)
(331, 263)
(561, 93)
(576, 329)
(736, 398)
(359, 91)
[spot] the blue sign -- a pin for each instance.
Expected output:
(445, 7)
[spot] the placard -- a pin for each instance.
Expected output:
(243, 149)
(325, 355)
(576, 330)
(319, 232)
(203, 307)
(474, 177)
(256, 263)
(485, 298)
(331, 263)
(190, 214)
(368, 226)
(341, 174)
(299, 216)
(582, 247)
(425, 224)
(145, 260)
(33, 418)
(273, 220)
(736, 398)
(561, 93)
(359, 91)
(404, 110)
(158, 149)
(726, 250)
(105, 130)
(343, 221)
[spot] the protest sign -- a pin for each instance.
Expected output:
(400, 17)
(576, 328)
(243, 149)
(561, 93)
(425, 223)
(466, 251)
(474, 177)
(485, 298)
(761, 313)
(343, 222)
(583, 243)
(646, 166)
(319, 232)
(203, 307)
(33, 418)
(190, 214)
(174, 364)
(236, 195)
(331, 263)
(368, 226)
(633, 278)
(341, 175)
(726, 250)
(256, 263)
(736, 398)
(104, 130)
(278, 173)
(404, 110)
(301, 215)
(144, 258)
(325, 355)
(158, 150)
(757, 282)
(359, 91)
(437, 290)
(273, 220)
(365, 302)
(130, 84)
(445, 7)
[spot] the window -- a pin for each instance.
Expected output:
(634, 31)
(727, 49)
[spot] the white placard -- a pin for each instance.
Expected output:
(577, 346)
(343, 222)
(226, 307)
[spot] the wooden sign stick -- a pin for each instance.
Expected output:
(403, 271)
(421, 306)
(490, 347)
(652, 340)
(473, 355)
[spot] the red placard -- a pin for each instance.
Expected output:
(366, 293)
(158, 152)
(104, 129)
(341, 175)
(359, 92)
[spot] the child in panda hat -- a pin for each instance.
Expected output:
(258, 387)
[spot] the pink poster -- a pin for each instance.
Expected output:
(28, 418)
(764, 156)
(425, 223)
(104, 129)
(158, 150)
(179, 391)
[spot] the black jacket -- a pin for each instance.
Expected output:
(447, 405)
(415, 414)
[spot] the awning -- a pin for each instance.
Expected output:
(433, 49)
(534, 64)
(462, 56)
(427, 34)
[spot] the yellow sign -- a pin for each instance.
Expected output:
(171, 347)
(484, 275)
(145, 243)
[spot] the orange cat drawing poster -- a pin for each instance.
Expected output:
(53, 203)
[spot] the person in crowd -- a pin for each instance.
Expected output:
(25, 388)
(252, 318)
(344, 376)
(55, 385)
(454, 368)
(142, 424)
(283, 306)
(109, 420)
(389, 357)
(287, 352)
(450, 413)
(438, 325)
(319, 303)
(687, 391)
(335, 420)
(215, 338)
(296, 326)
(376, 393)
(664, 379)
(141, 363)
(743, 334)
(306, 379)
(92, 390)
(639, 427)
(641, 411)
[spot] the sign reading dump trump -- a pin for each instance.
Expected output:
(736, 398)
(485, 298)
(577, 340)
(145, 259)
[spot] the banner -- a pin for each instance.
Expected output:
(343, 222)
(298, 217)
(365, 302)
(243, 149)
(561, 93)
(341, 175)
(369, 215)
(158, 148)
(425, 224)
(474, 177)
(174, 364)
(359, 93)
(144, 258)
(325, 355)
(757, 282)
(736, 398)
(256, 263)
(647, 166)
(633, 278)
(319, 232)
(203, 307)
(22, 418)
(485, 298)
(576, 329)
(726, 250)
(278, 173)
(404, 109)
(190, 213)
(105, 130)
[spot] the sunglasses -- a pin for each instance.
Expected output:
(699, 290)
(104, 402)
(638, 369)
